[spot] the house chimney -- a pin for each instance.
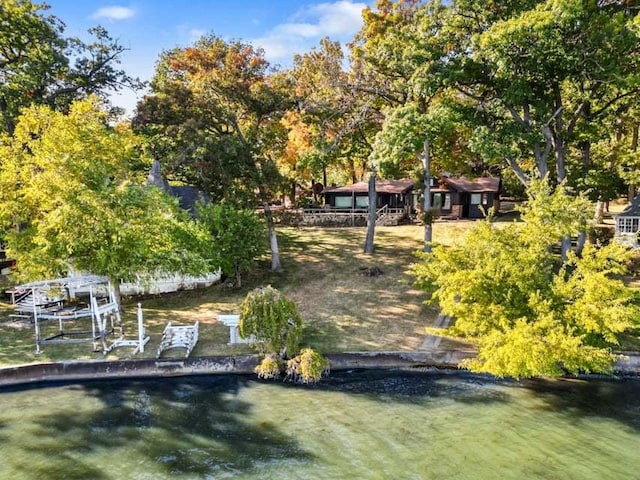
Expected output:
(155, 177)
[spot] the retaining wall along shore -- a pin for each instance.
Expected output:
(627, 364)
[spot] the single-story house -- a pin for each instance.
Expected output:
(457, 197)
(628, 224)
(395, 194)
(461, 197)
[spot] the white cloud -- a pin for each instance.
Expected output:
(339, 20)
(114, 13)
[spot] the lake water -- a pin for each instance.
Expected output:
(368, 425)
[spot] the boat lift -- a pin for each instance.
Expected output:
(74, 298)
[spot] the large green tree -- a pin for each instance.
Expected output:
(237, 235)
(38, 65)
(531, 82)
(528, 313)
(213, 117)
(68, 199)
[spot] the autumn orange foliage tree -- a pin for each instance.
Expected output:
(214, 118)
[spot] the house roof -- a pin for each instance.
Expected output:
(382, 186)
(632, 210)
(477, 185)
(188, 196)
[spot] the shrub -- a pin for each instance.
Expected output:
(238, 237)
(307, 367)
(270, 367)
(273, 320)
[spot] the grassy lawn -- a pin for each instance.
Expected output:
(343, 310)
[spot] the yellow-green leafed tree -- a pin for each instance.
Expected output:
(69, 198)
(529, 313)
(273, 320)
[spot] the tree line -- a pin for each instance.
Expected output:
(528, 90)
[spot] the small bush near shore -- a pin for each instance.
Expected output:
(270, 367)
(307, 367)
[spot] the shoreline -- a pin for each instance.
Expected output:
(628, 364)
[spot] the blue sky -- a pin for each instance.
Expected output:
(147, 27)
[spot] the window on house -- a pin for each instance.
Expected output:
(628, 225)
(362, 202)
(441, 201)
(476, 198)
(447, 202)
(343, 202)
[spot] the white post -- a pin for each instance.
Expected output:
(35, 320)
(94, 317)
(140, 330)
(428, 214)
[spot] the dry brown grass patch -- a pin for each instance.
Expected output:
(342, 309)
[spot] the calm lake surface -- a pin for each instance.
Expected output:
(369, 425)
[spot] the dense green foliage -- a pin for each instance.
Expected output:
(531, 90)
(528, 314)
(38, 65)
(538, 86)
(214, 116)
(69, 199)
(238, 237)
(272, 319)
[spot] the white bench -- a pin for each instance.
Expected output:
(232, 322)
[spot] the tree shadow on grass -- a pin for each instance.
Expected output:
(195, 426)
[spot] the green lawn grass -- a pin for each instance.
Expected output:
(342, 309)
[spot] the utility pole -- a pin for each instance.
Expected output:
(371, 221)
(427, 214)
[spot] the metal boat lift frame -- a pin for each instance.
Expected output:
(50, 300)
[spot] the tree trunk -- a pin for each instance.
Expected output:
(371, 222)
(313, 191)
(236, 271)
(276, 266)
(8, 121)
(352, 169)
(582, 239)
(292, 193)
(560, 148)
(115, 284)
(585, 153)
(565, 248)
(598, 216)
(428, 214)
(634, 148)
(293, 187)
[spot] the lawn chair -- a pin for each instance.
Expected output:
(175, 336)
